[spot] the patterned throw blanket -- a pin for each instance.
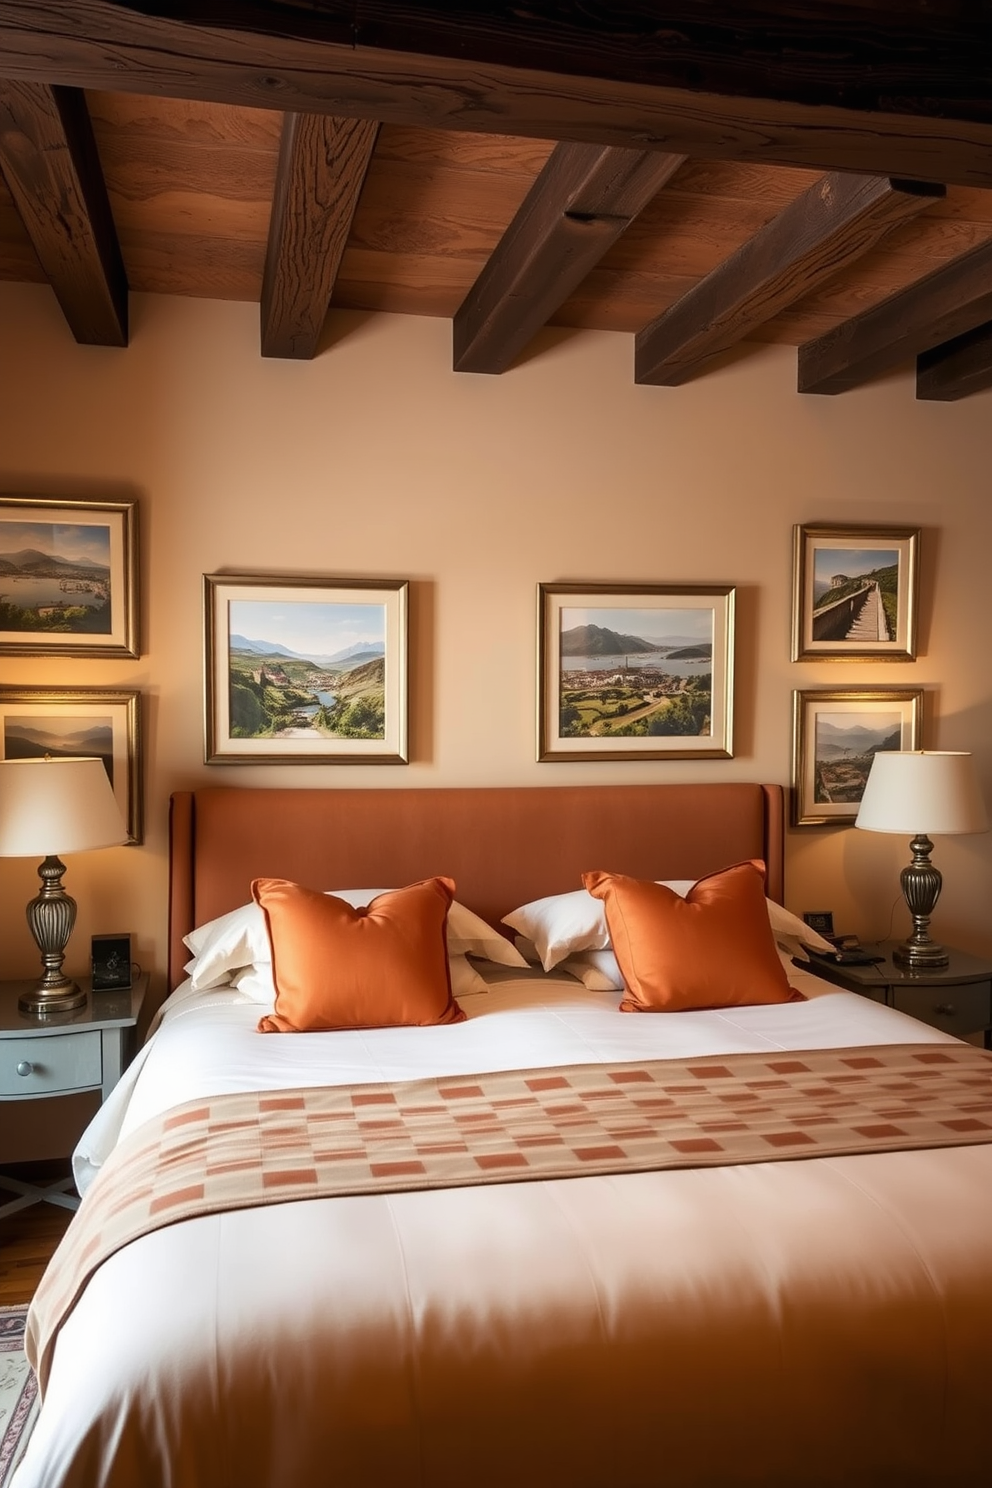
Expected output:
(235, 1151)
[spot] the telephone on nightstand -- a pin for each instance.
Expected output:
(847, 949)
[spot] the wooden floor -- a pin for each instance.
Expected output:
(28, 1239)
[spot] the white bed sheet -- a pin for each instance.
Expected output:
(807, 1323)
(207, 1043)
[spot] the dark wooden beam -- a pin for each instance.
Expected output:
(868, 87)
(322, 167)
(956, 369)
(945, 304)
(49, 160)
(823, 231)
(578, 206)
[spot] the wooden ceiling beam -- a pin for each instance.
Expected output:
(956, 369)
(867, 87)
(322, 167)
(943, 305)
(579, 204)
(828, 227)
(49, 160)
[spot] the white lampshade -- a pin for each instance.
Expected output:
(922, 792)
(52, 806)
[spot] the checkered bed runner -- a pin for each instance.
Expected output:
(238, 1150)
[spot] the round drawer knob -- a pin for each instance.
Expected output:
(25, 1067)
(945, 1010)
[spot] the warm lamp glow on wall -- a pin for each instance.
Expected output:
(47, 807)
(918, 793)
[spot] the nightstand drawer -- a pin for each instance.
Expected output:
(959, 1010)
(50, 1065)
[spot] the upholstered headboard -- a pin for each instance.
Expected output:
(503, 846)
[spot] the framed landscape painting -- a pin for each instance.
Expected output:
(69, 723)
(305, 670)
(635, 671)
(855, 593)
(836, 735)
(68, 577)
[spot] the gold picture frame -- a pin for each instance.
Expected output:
(305, 671)
(836, 734)
(69, 722)
(68, 577)
(655, 680)
(855, 593)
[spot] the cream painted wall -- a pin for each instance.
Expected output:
(376, 459)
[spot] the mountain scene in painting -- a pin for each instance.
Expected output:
(650, 680)
(60, 738)
(845, 748)
(55, 578)
(289, 680)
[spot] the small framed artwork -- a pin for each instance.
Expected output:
(69, 722)
(305, 671)
(836, 735)
(635, 671)
(68, 577)
(855, 593)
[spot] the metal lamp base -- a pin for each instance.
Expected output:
(924, 955)
(51, 916)
(921, 885)
(43, 1001)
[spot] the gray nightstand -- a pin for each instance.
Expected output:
(42, 1059)
(956, 998)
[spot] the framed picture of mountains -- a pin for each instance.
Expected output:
(305, 671)
(855, 593)
(69, 723)
(636, 672)
(836, 735)
(68, 577)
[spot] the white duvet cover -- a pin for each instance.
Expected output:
(826, 1321)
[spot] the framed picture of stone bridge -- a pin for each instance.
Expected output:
(855, 593)
(836, 734)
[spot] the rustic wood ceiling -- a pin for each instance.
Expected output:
(702, 177)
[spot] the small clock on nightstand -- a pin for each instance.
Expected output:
(85, 1049)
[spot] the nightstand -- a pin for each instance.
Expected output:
(956, 998)
(42, 1059)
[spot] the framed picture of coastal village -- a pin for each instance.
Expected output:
(305, 670)
(68, 577)
(836, 734)
(635, 671)
(855, 593)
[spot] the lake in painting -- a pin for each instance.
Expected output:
(635, 672)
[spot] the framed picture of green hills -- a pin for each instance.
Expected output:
(68, 577)
(635, 671)
(855, 593)
(305, 670)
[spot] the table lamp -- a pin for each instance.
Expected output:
(920, 792)
(50, 806)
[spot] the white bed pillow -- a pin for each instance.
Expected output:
(257, 982)
(562, 924)
(239, 939)
(598, 971)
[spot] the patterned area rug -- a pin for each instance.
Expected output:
(18, 1392)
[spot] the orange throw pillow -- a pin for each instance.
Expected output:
(337, 967)
(712, 949)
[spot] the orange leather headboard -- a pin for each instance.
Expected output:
(503, 846)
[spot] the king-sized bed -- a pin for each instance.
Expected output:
(681, 1311)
